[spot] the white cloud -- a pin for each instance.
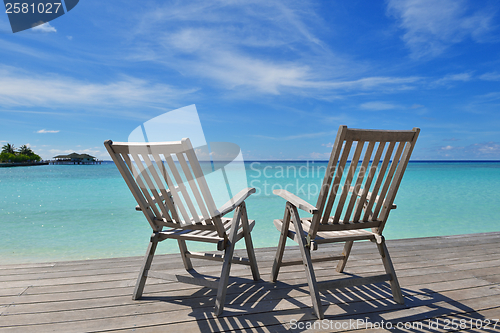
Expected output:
(492, 96)
(19, 48)
(20, 88)
(487, 149)
(47, 131)
(484, 150)
(45, 28)
(60, 151)
(298, 136)
(450, 79)
(230, 44)
(220, 56)
(432, 26)
(320, 156)
(373, 83)
(378, 106)
(241, 71)
(100, 154)
(491, 76)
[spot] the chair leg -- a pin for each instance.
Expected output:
(281, 245)
(226, 266)
(146, 264)
(306, 258)
(249, 243)
(183, 249)
(389, 269)
(346, 252)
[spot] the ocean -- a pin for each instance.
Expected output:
(73, 212)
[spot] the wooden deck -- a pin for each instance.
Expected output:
(443, 278)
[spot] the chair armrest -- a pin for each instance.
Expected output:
(296, 201)
(368, 196)
(235, 201)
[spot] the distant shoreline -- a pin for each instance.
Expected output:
(7, 165)
(268, 161)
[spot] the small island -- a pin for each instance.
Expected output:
(23, 156)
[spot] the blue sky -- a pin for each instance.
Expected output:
(275, 77)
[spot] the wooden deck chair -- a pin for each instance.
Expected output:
(353, 204)
(176, 201)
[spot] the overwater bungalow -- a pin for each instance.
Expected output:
(75, 158)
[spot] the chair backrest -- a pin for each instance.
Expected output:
(170, 191)
(378, 159)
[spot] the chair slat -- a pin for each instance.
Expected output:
(359, 180)
(139, 179)
(146, 176)
(166, 195)
(329, 172)
(160, 186)
(194, 187)
(368, 182)
(397, 179)
(198, 173)
(155, 149)
(136, 191)
(336, 181)
(348, 180)
(180, 188)
(207, 196)
(387, 158)
(388, 179)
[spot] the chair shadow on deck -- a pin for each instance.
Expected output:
(372, 307)
(246, 305)
(264, 306)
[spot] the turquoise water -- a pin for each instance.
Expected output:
(67, 212)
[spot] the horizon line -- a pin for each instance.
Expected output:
(291, 161)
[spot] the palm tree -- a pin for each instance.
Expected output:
(25, 150)
(8, 148)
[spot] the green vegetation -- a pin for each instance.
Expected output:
(22, 155)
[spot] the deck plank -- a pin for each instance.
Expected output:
(459, 280)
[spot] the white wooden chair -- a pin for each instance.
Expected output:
(176, 201)
(360, 194)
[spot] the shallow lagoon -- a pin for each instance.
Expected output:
(68, 212)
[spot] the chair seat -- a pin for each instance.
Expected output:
(209, 236)
(192, 224)
(328, 236)
(341, 225)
